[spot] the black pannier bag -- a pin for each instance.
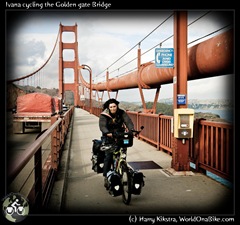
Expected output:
(137, 182)
(97, 156)
(125, 139)
(96, 146)
(115, 185)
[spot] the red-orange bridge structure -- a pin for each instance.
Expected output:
(211, 147)
(210, 58)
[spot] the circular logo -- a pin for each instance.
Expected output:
(15, 207)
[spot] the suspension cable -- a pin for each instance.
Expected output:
(31, 74)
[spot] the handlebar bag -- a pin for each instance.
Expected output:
(125, 139)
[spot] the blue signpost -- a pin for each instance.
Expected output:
(164, 57)
(181, 99)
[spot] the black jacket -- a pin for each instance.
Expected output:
(110, 124)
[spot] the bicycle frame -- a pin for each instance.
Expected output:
(121, 167)
(119, 157)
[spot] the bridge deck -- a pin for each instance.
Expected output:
(79, 190)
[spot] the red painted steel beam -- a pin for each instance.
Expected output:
(213, 57)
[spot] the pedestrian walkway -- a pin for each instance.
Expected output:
(79, 190)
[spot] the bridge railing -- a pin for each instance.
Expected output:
(210, 149)
(41, 175)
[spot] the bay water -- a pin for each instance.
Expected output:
(227, 114)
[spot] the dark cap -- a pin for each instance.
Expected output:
(110, 101)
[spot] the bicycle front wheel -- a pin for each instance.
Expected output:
(126, 184)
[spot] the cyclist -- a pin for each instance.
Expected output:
(112, 119)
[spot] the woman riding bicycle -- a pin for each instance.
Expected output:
(112, 119)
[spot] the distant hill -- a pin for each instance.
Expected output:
(30, 89)
(164, 106)
(205, 103)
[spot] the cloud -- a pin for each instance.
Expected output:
(220, 87)
(103, 38)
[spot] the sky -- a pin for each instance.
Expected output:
(103, 38)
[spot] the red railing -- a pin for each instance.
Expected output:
(210, 149)
(214, 148)
(40, 184)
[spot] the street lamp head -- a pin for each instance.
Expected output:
(81, 67)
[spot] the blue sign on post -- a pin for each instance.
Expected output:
(164, 57)
(181, 99)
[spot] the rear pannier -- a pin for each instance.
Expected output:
(97, 156)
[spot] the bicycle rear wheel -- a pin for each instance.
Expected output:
(126, 184)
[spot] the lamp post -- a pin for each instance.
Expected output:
(86, 67)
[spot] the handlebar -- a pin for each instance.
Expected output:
(118, 138)
(135, 132)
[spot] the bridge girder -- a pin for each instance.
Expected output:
(213, 57)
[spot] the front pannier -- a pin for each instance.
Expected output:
(137, 182)
(115, 185)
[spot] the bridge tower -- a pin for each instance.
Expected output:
(63, 86)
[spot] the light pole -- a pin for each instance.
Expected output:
(86, 67)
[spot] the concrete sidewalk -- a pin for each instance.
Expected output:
(79, 190)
